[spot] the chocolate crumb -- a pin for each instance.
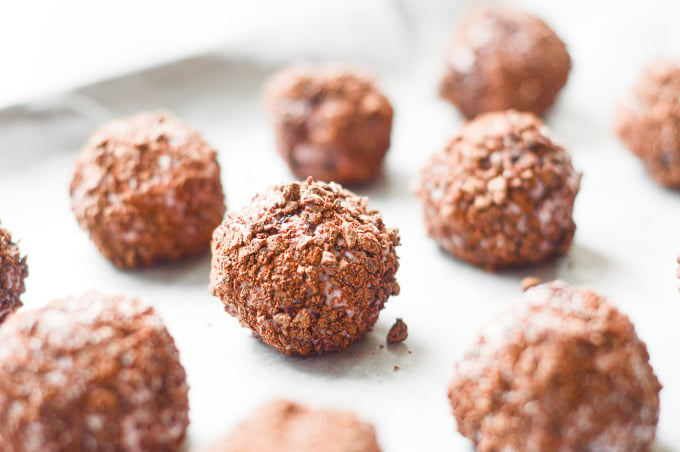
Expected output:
(398, 332)
(529, 282)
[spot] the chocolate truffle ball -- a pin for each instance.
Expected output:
(562, 369)
(501, 193)
(90, 372)
(648, 121)
(501, 58)
(13, 270)
(307, 266)
(282, 426)
(331, 123)
(147, 189)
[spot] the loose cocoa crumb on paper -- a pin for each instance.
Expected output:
(398, 332)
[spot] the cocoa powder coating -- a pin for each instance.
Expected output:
(331, 123)
(562, 369)
(648, 121)
(13, 271)
(501, 193)
(147, 189)
(501, 58)
(282, 426)
(307, 266)
(90, 372)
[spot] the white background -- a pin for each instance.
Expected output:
(628, 227)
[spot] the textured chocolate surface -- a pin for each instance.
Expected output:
(90, 372)
(501, 193)
(307, 266)
(501, 58)
(561, 369)
(331, 123)
(13, 271)
(147, 189)
(282, 426)
(398, 332)
(648, 121)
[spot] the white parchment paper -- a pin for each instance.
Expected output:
(625, 247)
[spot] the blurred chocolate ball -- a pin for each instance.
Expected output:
(90, 372)
(331, 123)
(501, 58)
(147, 189)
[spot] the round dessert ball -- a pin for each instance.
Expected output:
(501, 58)
(307, 266)
(282, 426)
(331, 123)
(648, 121)
(147, 189)
(562, 369)
(13, 271)
(501, 193)
(90, 372)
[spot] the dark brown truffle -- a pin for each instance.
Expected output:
(562, 369)
(648, 121)
(398, 332)
(90, 373)
(13, 271)
(501, 58)
(307, 266)
(331, 123)
(147, 189)
(282, 426)
(501, 193)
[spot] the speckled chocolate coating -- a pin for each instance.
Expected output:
(307, 266)
(648, 121)
(147, 189)
(398, 332)
(331, 123)
(89, 373)
(501, 193)
(13, 271)
(562, 369)
(501, 58)
(282, 426)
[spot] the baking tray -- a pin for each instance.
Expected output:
(625, 246)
